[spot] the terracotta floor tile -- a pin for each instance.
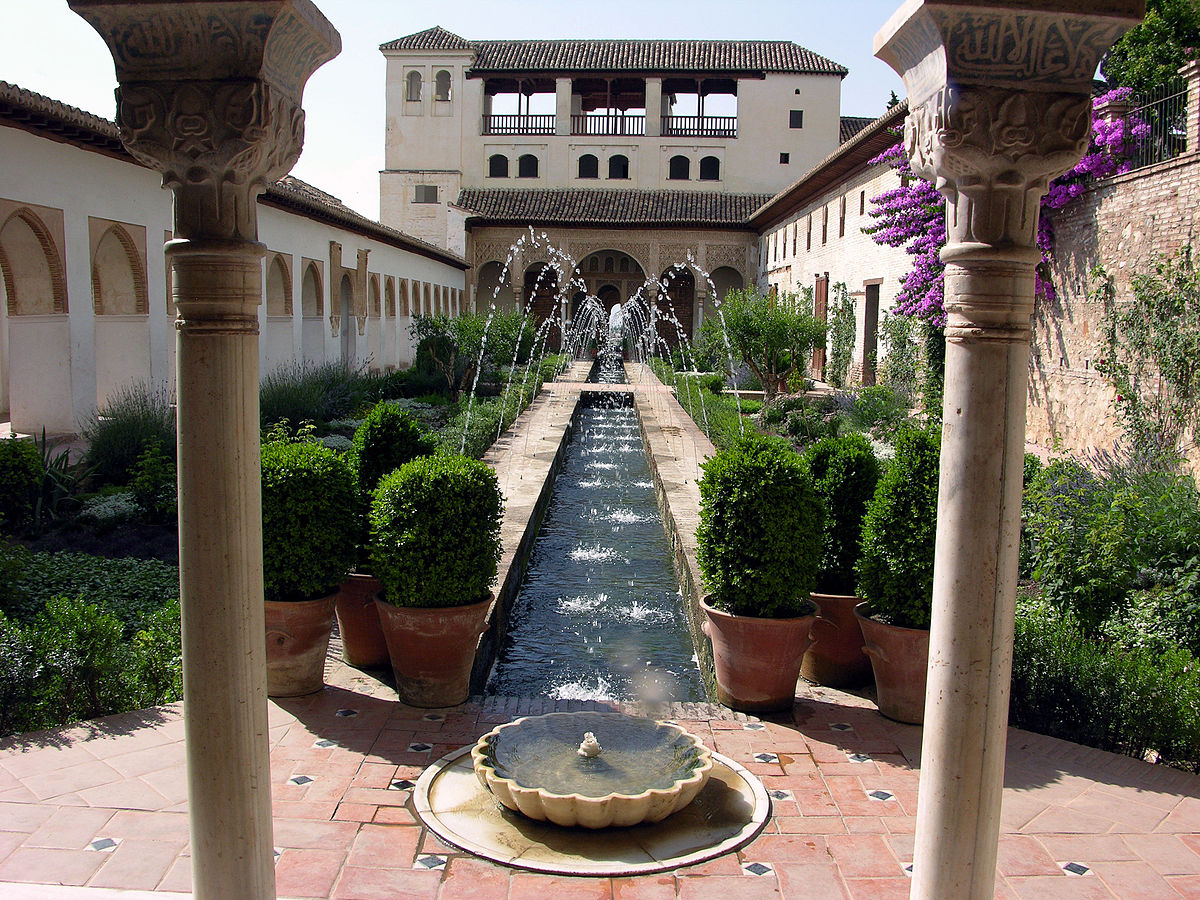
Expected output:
(385, 846)
(1060, 887)
(878, 888)
(131, 793)
(1168, 853)
(1184, 819)
(789, 848)
(560, 887)
(24, 817)
(137, 865)
(722, 865)
(902, 846)
(51, 866)
(70, 829)
(1186, 886)
(148, 825)
(1060, 820)
(863, 855)
(1133, 880)
(1021, 854)
(1129, 815)
(811, 825)
(1087, 849)
(386, 884)
(726, 887)
(307, 873)
(55, 782)
(810, 881)
(642, 887)
(10, 841)
(148, 759)
(307, 834)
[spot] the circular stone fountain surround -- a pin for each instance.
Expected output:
(727, 814)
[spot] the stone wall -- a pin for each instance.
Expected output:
(1123, 223)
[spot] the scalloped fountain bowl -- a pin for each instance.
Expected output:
(646, 771)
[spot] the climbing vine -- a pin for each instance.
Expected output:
(841, 335)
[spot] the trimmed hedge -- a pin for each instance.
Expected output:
(387, 439)
(435, 532)
(761, 521)
(896, 569)
(846, 473)
(21, 474)
(310, 522)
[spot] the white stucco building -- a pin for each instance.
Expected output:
(84, 292)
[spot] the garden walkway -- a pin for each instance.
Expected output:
(99, 811)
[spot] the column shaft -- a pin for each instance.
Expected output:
(217, 290)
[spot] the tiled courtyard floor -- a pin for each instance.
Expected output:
(104, 806)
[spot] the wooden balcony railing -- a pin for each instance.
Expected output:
(542, 124)
(700, 126)
(629, 126)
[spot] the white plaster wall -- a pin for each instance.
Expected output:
(853, 258)
(59, 364)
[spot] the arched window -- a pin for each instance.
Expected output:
(527, 166)
(589, 166)
(679, 168)
(624, 264)
(608, 264)
(310, 292)
(413, 92)
(498, 166)
(710, 169)
(618, 166)
(279, 287)
(441, 86)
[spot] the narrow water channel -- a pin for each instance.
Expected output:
(599, 615)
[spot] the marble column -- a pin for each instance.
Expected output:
(210, 95)
(1000, 101)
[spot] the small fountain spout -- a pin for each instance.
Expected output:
(590, 747)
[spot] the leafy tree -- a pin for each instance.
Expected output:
(449, 346)
(1152, 52)
(771, 335)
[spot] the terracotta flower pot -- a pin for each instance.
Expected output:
(363, 644)
(297, 640)
(433, 650)
(900, 657)
(757, 661)
(836, 657)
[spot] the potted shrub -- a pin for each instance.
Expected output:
(435, 544)
(845, 473)
(896, 574)
(309, 528)
(387, 438)
(758, 546)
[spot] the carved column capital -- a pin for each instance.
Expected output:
(210, 95)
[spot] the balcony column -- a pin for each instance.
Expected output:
(210, 95)
(562, 106)
(654, 107)
(1000, 102)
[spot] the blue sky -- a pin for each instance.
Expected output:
(46, 48)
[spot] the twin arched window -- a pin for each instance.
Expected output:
(498, 166)
(441, 86)
(679, 168)
(412, 90)
(618, 166)
(710, 169)
(589, 166)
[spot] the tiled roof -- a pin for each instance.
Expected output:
(435, 38)
(625, 56)
(57, 121)
(852, 125)
(647, 209)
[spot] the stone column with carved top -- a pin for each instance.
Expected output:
(210, 95)
(1000, 100)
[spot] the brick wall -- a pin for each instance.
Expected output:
(1123, 223)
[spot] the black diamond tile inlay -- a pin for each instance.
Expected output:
(858, 757)
(430, 861)
(1074, 868)
(102, 844)
(766, 757)
(841, 726)
(300, 779)
(780, 795)
(325, 742)
(346, 713)
(908, 870)
(419, 747)
(402, 785)
(434, 717)
(757, 869)
(881, 795)
(753, 726)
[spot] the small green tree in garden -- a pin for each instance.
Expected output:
(841, 336)
(771, 335)
(1152, 353)
(450, 347)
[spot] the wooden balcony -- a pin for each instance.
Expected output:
(521, 124)
(700, 126)
(618, 125)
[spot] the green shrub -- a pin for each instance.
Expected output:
(877, 408)
(303, 392)
(387, 439)
(135, 418)
(21, 473)
(759, 539)
(310, 523)
(21, 665)
(846, 472)
(896, 569)
(1032, 467)
(86, 661)
(153, 485)
(435, 532)
(1135, 701)
(132, 590)
(713, 383)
